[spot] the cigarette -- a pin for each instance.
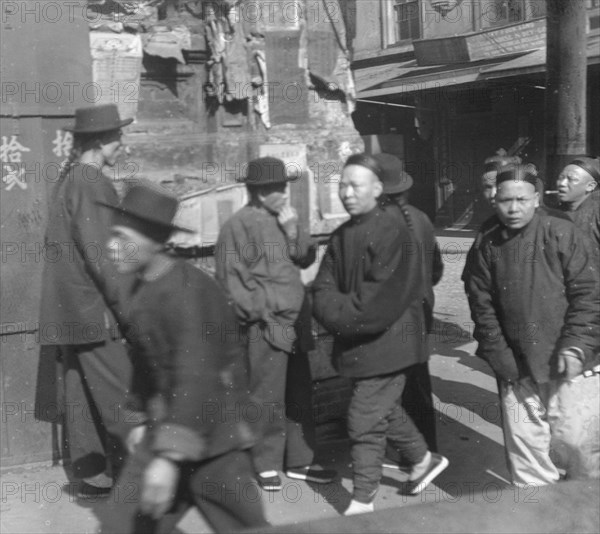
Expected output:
(551, 192)
(489, 471)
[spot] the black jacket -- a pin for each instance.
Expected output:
(368, 293)
(532, 294)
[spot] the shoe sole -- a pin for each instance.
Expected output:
(271, 488)
(396, 467)
(92, 496)
(430, 476)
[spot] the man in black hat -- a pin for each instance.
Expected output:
(417, 398)
(193, 445)
(80, 301)
(534, 293)
(579, 197)
(258, 256)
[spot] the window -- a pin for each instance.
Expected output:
(401, 21)
(407, 22)
(594, 15)
(501, 12)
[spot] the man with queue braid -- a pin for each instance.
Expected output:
(80, 300)
(417, 397)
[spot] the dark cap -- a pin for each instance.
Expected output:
(366, 161)
(589, 165)
(394, 178)
(518, 173)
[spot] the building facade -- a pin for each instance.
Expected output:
(447, 83)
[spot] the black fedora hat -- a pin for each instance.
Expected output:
(394, 178)
(148, 209)
(265, 171)
(97, 119)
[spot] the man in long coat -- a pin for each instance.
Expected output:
(80, 300)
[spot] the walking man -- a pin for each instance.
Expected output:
(368, 294)
(193, 447)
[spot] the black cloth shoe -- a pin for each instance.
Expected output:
(269, 483)
(87, 491)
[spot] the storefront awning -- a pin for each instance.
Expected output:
(419, 79)
(535, 62)
(408, 77)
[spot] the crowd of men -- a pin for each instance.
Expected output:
(182, 356)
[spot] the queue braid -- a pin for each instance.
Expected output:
(74, 154)
(403, 205)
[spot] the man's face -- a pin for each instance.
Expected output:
(273, 197)
(111, 151)
(574, 184)
(359, 190)
(130, 250)
(516, 202)
(488, 186)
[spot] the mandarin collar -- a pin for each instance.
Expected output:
(361, 219)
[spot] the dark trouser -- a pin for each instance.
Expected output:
(268, 373)
(300, 440)
(375, 415)
(418, 403)
(222, 488)
(97, 378)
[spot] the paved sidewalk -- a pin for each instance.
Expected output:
(470, 496)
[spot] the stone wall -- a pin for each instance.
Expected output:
(181, 131)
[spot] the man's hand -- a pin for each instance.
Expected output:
(159, 486)
(288, 220)
(569, 364)
(135, 437)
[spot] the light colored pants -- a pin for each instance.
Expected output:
(550, 426)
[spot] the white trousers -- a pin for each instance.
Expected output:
(550, 426)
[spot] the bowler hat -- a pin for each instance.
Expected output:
(265, 171)
(394, 178)
(148, 209)
(96, 119)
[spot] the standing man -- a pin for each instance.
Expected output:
(534, 296)
(259, 254)
(417, 398)
(577, 186)
(369, 295)
(193, 447)
(80, 301)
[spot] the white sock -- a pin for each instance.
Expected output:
(357, 507)
(419, 469)
(268, 474)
